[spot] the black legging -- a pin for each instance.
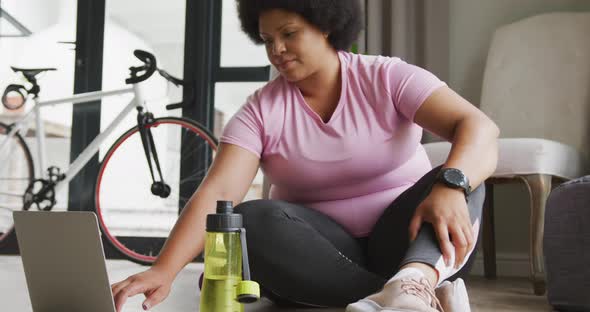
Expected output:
(302, 257)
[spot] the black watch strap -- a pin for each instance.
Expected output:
(454, 178)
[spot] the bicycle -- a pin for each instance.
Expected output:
(150, 192)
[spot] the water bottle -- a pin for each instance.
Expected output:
(226, 281)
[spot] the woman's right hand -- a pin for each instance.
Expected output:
(224, 180)
(153, 283)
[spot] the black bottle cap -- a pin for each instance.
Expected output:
(225, 206)
(224, 220)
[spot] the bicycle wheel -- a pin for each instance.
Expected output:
(16, 172)
(135, 221)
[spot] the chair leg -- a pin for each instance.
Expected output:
(539, 186)
(489, 236)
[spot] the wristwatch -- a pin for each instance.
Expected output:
(454, 178)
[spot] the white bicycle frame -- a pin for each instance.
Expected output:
(23, 125)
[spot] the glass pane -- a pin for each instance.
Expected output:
(237, 50)
(11, 28)
(36, 15)
(129, 25)
(49, 22)
(157, 27)
(229, 97)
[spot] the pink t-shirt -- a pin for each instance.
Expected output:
(353, 166)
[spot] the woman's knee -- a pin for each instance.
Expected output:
(257, 207)
(259, 213)
(475, 203)
(250, 206)
(478, 194)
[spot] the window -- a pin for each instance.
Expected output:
(129, 25)
(33, 33)
(236, 48)
(11, 27)
(239, 56)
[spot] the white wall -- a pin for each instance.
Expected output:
(34, 14)
(471, 27)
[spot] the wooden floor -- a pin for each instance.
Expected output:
(503, 294)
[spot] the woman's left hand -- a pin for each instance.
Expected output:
(446, 209)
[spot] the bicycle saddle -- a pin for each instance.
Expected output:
(31, 72)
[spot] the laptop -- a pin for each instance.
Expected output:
(64, 261)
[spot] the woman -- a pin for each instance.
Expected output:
(357, 215)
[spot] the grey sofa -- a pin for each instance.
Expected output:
(567, 246)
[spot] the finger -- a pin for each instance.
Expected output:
(466, 216)
(155, 298)
(442, 233)
(469, 236)
(119, 302)
(470, 241)
(460, 243)
(115, 288)
(129, 291)
(415, 225)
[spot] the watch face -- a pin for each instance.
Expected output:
(455, 177)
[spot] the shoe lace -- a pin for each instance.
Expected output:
(422, 290)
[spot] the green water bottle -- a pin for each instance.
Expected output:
(226, 281)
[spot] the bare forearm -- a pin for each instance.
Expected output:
(224, 181)
(187, 238)
(474, 149)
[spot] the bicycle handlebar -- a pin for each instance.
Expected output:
(175, 106)
(150, 67)
(176, 81)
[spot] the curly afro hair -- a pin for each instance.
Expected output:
(342, 19)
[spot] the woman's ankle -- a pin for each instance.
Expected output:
(430, 273)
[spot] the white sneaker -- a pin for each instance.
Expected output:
(405, 295)
(453, 296)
